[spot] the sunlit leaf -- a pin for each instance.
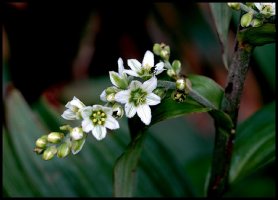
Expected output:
(255, 143)
(222, 15)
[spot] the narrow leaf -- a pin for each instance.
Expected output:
(222, 16)
(255, 143)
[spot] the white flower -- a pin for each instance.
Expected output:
(138, 99)
(96, 119)
(74, 107)
(120, 79)
(267, 9)
(146, 69)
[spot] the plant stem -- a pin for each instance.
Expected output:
(225, 135)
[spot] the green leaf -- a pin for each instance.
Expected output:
(258, 36)
(222, 15)
(255, 143)
(124, 172)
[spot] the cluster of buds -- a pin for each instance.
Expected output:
(132, 92)
(60, 144)
(255, 13)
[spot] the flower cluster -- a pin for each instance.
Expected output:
(256, 13)
(132, 92)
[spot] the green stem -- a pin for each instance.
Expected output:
(225, 135)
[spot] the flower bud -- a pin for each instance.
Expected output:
(161, 92)
(38, 150)
(156, 49)
(235, 6)
(66, 128)
(110, 97)
(256, 22)
(55, 137)
(165, 53)
(49, 153)
(63, 150)
(76, 133)
(180, 84)
(41, 142)
(176, 65)
(246, 19)
(171, 73)
(118, 111)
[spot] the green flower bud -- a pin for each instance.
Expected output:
(110, 90)
(38, 150)
(176, 65)
(77, 145)
(66, 128)
(63, 150)
(42, 142)
(76, 133)
(161, 92)
(49, 153)
(55, 137)
(156, 49)
(171, 73)
(235, 6)
(110, 97)
(180, 84)
(165, 53)
(118, 111)
(246, 19)
(256, 22)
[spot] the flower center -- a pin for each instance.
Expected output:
(98, 117)
(138, 96)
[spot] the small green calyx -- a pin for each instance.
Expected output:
(138, 96)
(98, 117)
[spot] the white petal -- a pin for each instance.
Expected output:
(86, 112)
(120, 66)
(76, 102)
(130, 110)
(103, 96)
(111, 123)
(87, 125)
(150, 84)
(107, 110)
(159, 67)
(148, 60)
(135, 84)
(122, 96)
(152, 99)
(259, 6)
(144, 112)
(131, 73)
(69, 115)
(99, 132)
(134, 64)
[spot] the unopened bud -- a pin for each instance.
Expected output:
(63, 150)
(176, 65)
(55, 137)
(180, 84)
(42, 141)
(38, 150)
(66, 128)
(118, 110)
(76, 133)
(156, 49)
(161, 92)
(246, 19)
(110, 97)
(235, 6)
(49, 153)
(171, 73)
(110, 90)
(256, 22)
